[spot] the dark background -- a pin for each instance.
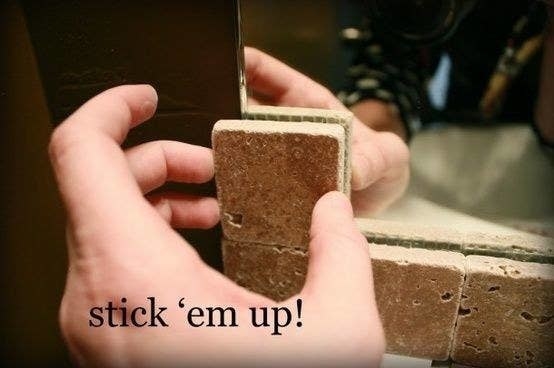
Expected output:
(304, 33)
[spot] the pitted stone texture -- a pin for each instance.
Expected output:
(276, 272)
(284, 114)
(506, 316)
(269, 176)
(418, 294)
(418, 291)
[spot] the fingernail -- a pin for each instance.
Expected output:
(148, 108)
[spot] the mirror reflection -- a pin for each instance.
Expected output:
(467, 85)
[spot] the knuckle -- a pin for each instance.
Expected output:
(392, 140)
(365, 171)
(121, 109)
(367, 162)
(61, 141)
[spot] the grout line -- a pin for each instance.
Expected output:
(455, 330)
(474, 250)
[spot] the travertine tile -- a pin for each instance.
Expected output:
(506, 314)
(417, 290)
(418, 293)
(518, 247)
(274, 271)
(280, 113)
(269, 176)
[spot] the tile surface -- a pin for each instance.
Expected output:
(280, 113)
(506, 314)
(273, 271)
(418, 293)
(417, 290)
(270, 175)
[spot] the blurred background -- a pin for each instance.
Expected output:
(501, 183)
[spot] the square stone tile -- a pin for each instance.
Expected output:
(273, 271)
(281, 113)
(269, 176)
(418, 291)
(506, 316)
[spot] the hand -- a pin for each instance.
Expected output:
(380, 116)
(380, 160)
(121, 243)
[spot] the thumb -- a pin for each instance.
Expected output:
(339, 261)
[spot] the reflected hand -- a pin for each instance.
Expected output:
(380, 160)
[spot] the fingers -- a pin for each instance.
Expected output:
(186, 211)
(381, 194)
(267, 75)
(339, 256)
(339, 278)
(380, 170)
(93, 175)
(280, 84)
(375, 155)
(155, 163)
(253, 101)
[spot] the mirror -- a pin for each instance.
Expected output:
(465, 91)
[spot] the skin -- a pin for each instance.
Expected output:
(122, 243)
(380, 159)
(379, 116)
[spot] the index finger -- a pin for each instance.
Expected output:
(283, 85)
(93, 176)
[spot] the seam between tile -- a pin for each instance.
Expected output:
(475, 250)
(455, 328)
